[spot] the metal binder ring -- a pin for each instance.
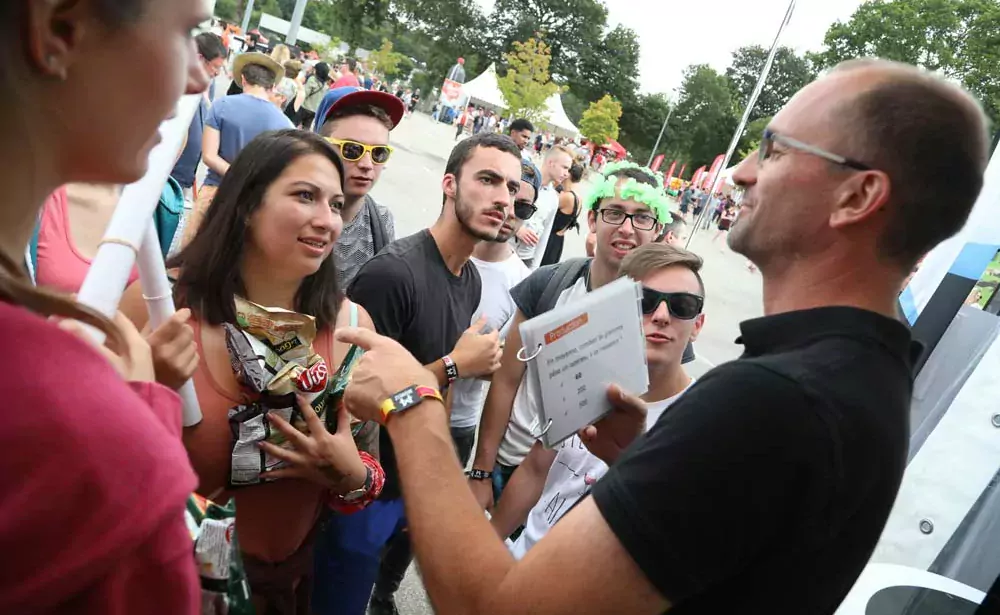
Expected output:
(524, 359)
(545, 429)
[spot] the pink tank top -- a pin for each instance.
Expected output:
(60, 266)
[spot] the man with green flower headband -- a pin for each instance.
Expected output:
(627, 209)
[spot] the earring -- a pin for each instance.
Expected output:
(52, 63)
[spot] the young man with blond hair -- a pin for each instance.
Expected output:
(534, 234)
(549, 482)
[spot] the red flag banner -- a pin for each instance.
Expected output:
(714, 171)
(657, 162)
(698, 176)
(683, 168)
(670, 171)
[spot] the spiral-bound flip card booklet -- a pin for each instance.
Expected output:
(576, 350)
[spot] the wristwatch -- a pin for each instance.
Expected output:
(408, 398)
(450, 369)
(476, 474)
(353, 496)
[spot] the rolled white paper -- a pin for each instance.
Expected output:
(157, 292)
(108, 274)
(131, 227)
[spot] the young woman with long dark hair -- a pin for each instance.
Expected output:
(268, 239)
(96, 478)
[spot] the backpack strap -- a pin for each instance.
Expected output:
(380, 237)
(565, 275)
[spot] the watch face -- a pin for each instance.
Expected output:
(354, 496)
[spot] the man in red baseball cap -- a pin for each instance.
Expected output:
(357, 122)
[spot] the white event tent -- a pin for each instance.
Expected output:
(483, 90)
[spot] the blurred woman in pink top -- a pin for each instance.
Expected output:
(95, 481)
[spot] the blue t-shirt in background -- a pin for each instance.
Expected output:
(239, 120)
(187, 165)
(186, 169)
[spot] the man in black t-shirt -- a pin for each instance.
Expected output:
(766, 486)
(421, 291)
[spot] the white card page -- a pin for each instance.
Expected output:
(582, 347)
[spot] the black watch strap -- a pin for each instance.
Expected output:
(477, 474)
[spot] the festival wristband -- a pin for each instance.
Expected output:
(408, 398)
(450, 369)
(476, 474)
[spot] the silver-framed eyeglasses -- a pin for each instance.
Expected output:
(769, 138)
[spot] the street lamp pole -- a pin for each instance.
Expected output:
(246, 17)
(293, 29)
(652, 154)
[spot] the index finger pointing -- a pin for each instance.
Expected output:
(366, 339)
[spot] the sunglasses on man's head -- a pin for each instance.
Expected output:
(353, 151)
(524, 209)
(684, 306)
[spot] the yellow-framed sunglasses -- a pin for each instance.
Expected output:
(353, 151)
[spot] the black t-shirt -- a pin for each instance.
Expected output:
(766, 486)
(414, 298)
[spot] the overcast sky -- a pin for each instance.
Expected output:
(673, 35)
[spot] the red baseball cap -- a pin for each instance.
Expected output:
(349, 96)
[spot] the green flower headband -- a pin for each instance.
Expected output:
(653, 196)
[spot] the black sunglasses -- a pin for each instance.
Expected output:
(524, 209)
(684, 306)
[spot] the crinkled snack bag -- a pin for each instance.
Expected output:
(247, 366)
(310, 382)
(289, 334)
(249, 425)
(224, 586)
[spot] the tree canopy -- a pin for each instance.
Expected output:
(959, 38)
(526, 85)
(599, 123)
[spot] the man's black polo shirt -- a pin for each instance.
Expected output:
(766, 486)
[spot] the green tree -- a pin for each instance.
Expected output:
(271, 7)
(573, 105)
(750, 140)
(960, 38)
(228, 10)
(609, 66)
(599, 123)
(356, 18)
(704, 120)
(569, 27)
(789, 74)
(527, 86)
(642, 118)
(437, 33)
(384, 60)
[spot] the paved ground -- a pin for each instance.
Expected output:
(411, 187)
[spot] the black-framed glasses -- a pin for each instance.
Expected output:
(684, 306)
(353, 151)
(769, 138)
(641, 221)
(524, 209)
